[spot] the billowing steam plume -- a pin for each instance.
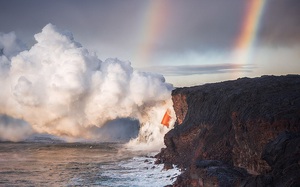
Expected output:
(59, 88)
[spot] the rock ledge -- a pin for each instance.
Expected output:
(236, 133)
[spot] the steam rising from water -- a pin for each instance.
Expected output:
(59, 88)
(13, 129)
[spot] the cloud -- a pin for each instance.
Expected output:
(59, 88)
(263, 61)
(200, 69)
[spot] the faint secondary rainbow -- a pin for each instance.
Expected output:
(243, 47)
(152, 26)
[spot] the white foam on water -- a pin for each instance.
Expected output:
(138, 171)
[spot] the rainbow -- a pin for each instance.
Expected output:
(153, 24)
(243, 47)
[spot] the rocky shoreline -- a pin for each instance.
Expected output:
(244, 132)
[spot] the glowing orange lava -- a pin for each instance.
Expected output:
(166, 119)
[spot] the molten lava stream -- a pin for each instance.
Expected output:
(166, 119)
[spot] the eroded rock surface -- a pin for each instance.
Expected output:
(232, 122)
(283, 155)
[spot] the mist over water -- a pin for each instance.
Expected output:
(57, 87)
(12, 129)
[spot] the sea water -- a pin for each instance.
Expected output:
(57, 163)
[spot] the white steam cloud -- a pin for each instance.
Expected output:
(59, 88)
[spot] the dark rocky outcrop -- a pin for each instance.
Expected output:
(231, 124)
(211, 173)
(283, 155)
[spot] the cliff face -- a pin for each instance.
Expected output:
(232, 121)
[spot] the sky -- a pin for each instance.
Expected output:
(189, 42)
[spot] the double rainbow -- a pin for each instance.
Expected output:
(154, 24)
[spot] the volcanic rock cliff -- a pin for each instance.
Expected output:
(236, 132)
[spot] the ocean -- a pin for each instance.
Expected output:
(58, 163)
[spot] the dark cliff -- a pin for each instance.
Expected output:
(230, 123)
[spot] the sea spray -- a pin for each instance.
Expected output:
(151, 134)
(59, 88)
